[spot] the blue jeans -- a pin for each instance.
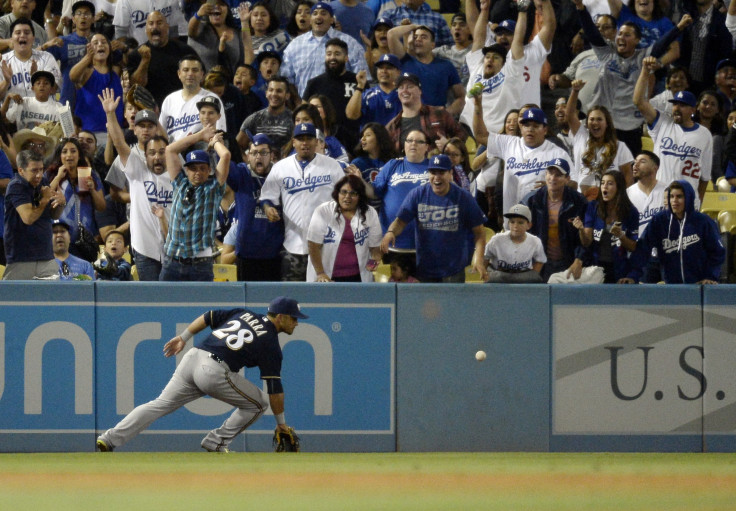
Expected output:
(148, 269)
(198, 271)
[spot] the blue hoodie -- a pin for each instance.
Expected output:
(690, 249)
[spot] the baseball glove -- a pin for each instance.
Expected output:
(141, 98)
(285, 442)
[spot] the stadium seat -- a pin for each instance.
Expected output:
(647, 144)
(472, 276)
(134, 273)
(714, 203)
(225, 272)
(382, 273)
(722, 185)
(727, 221)
(2, 271)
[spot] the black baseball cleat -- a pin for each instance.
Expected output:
(103, 446)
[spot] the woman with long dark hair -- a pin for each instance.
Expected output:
(458, 153)
(611, 228)
(213, 35)
(344, 234)
(264, 27)
(373, 151)
(300, 20)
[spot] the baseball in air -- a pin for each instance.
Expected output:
(480, 356)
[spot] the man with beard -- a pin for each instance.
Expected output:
(438, 75)
(338, 84)
(70, 49)
(380, 103)
(684, 147)
(17, 64)
(274, 120)
(303, 57)
(160, 56)
(151, 192)
(130, 17)
(179, 111)
(259, 241)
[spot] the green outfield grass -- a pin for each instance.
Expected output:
(395, 482)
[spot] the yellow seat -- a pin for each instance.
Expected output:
(647, 144)
(472, 276)
(434, 4)
(225, 272)
(2, 271)
(727, 221)
(471, 146)
(382, 273)
(134, 272)
(722, 185)
(714, 203)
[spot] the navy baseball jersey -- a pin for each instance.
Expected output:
(241, 337)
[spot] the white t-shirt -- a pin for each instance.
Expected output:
(33, 112)
(683, 153)
(299, 192)
(132, 15)
(146, 190)
(327, 230)
(501, 92)
(582, 174)
(180, 118)
(647, 205)
(21, 80)
(524, 165)
(505, 255)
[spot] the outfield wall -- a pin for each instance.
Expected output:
(382, 367)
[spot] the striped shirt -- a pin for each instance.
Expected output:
(192, 226)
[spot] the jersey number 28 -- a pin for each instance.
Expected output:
(234, 341)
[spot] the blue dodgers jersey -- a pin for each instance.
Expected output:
(243, 338)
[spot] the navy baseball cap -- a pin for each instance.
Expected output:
(684, 97)
(440, 162)
(286, 305)
(61, 223)
(197, 156)
(323, 5)
(266, 54)
(505, 26)
(83, 3)
(725, 63)
(560, 164)
(145, 116)
(390, 59)
(383, 22)
(408, 77)
(534, 115)
(261, 139)
(305, 128)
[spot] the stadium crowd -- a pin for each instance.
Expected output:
(560, 141)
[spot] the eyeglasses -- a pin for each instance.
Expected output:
(188, 197)
(415, 141)
(346, 193)
(264, 152)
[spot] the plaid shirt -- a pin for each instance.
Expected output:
(304, 58)
(423, 16)
(435, 122)
(192, 227)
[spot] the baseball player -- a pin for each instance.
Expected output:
(684, 147)
(240, 337)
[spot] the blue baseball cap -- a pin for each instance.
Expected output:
(388, 58)
(323, 5)
(61, 223)
(440, 162)
(560, 164)
(505, 26)
(684, 97)
(383, 21)
(286, 305)
(197, 156)
(534, 115)
(305, 128)
(261, 139)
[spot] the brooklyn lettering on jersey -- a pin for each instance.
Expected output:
(409, 177)
(184, 122)
(254, 322)
(156, 196)
(309, 183)
(525, 166)
(669, 245)
(681, 151)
